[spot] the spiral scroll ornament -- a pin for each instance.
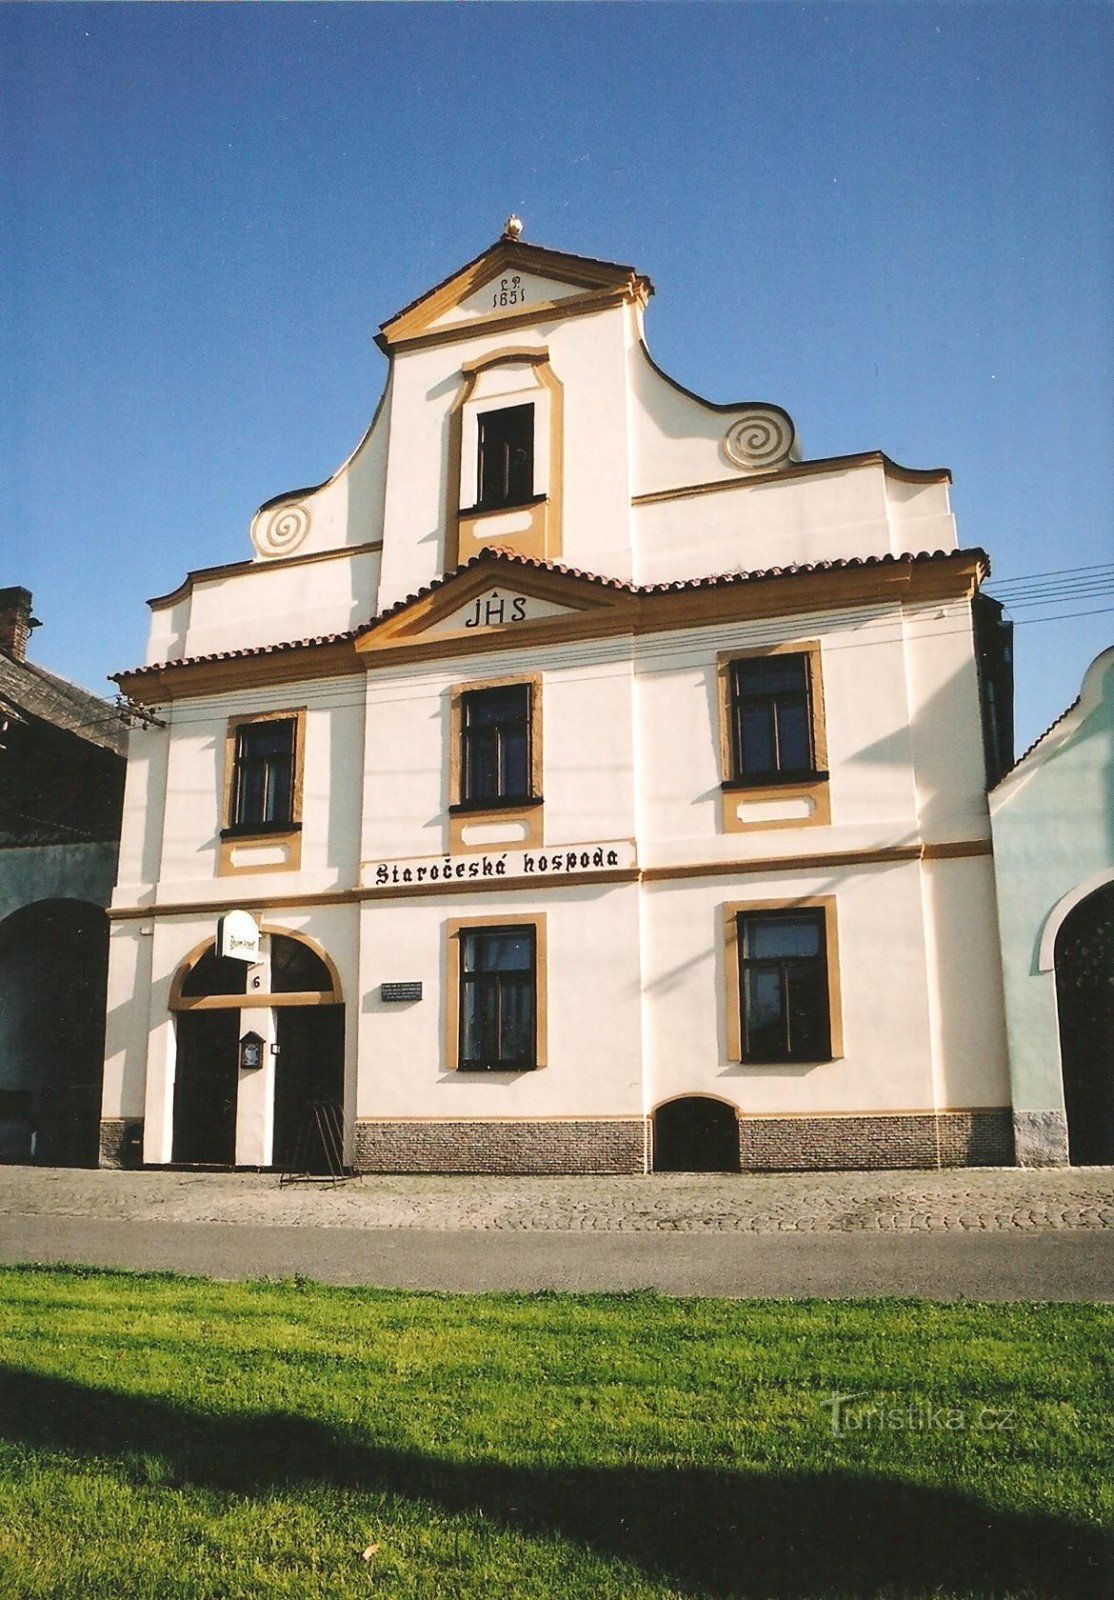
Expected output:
(283, 532)
(759, 440)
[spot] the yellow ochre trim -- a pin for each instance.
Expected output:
(238, 569)
(453, 929)
(818, 793)
(734, 1013)
(289, 840)
(883, 856)
(798, 469)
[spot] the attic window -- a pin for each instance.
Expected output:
(506, 457)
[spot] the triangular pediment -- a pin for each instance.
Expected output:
(498, 602)
(511, 282)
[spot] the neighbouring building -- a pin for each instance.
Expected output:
(607, 783)
(1053, 826)
(61, 791)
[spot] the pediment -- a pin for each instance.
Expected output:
(510, 282)
(497, 603)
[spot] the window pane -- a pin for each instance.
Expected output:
(763, 1013)
(250, 793)
(506, 464)
(773, 724)
(481, 765)
(264, 772)
(277, 805)
(764, 675)
(516, 1032)
(808, 1012)
(515, 776)
(214, 974)
(498, 950)
(478, 1013)
(259, 739)
(510, 952)
(496, 743)
(794, 753)
(756, 740)
(485, 708)
(295, 967)
(766, 938)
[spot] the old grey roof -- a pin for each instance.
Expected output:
(28, 690)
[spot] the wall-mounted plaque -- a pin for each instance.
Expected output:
(400, 991)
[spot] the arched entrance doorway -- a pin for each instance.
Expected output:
(227, 1113)
(696, 1133)
(53, 980)
(1084, 962)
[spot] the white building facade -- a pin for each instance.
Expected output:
(606, 781)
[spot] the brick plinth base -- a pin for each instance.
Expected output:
(121, 1142)
(813, 1144)
(588, 1146)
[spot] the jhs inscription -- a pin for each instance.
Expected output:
(491, 613)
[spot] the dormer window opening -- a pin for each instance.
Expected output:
(506, 457)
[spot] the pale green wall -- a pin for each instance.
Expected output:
(1052, 819)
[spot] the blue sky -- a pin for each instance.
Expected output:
(895, 220)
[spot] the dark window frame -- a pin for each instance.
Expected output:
(487, 746)
(796, 974)
(505, 456)
(776, 707)
(269, 805)
(496, 983)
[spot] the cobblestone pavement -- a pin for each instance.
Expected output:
(965, 1200)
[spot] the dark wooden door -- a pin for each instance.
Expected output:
(309, 1072)
(205, 1081)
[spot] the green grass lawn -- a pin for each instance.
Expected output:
(167, 1437)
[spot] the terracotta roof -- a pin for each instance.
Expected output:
(1041, 737)
(679, 585)
(32, 691)
(494, 554)
(245, 654)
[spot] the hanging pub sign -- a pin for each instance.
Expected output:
(238, 936)
(251, 1052)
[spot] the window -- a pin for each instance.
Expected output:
(506, 461)
(785, 1010)
(771, 719)
(263, 782)
(495, 745)
(498, 999)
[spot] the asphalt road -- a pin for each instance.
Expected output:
(978, 1266)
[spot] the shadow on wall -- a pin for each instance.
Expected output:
(719, 1534)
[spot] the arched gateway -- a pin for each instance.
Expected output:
(1085, 1004)
(696, 1133)
(257, 1046)
(53, 972)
